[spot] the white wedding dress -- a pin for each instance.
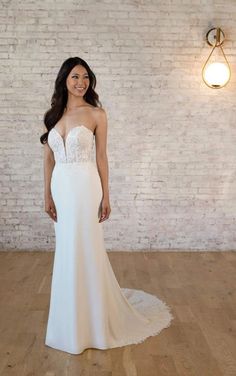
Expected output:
(88, 308)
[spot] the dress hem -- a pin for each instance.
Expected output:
(155, 329)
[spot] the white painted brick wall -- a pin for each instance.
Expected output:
(171, 139)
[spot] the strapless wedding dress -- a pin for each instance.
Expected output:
(88, 308)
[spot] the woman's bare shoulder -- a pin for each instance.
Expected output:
(100, 118)
(99, 113)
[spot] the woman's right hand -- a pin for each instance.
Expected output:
(50, 208)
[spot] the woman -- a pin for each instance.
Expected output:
(88, 309)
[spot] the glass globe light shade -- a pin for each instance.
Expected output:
(216, 74)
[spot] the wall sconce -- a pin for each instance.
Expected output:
(216, 74)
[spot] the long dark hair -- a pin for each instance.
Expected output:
(60, 95)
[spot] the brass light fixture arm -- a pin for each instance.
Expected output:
(218, 43)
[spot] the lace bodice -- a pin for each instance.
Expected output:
(77, 147)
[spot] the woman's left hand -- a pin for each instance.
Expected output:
(105, 210)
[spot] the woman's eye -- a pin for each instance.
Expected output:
(77, 77)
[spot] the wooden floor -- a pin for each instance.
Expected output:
(198, 286)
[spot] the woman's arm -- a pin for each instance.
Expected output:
(49, 163)
(102, 160)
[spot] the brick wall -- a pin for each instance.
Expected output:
(171, 139)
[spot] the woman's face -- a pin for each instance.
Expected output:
(77, 81)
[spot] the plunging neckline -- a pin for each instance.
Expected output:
(77, 126)
(64, 140)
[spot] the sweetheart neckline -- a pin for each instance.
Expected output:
(65, 140)
(77, 126)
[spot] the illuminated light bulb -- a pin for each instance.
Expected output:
(216, 74)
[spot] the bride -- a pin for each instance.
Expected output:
(88, 308)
